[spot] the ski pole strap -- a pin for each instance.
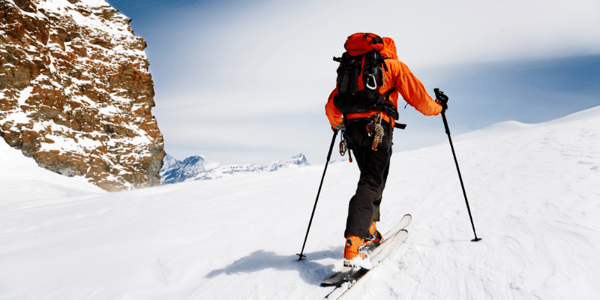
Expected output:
(350, 155)
(400, 126)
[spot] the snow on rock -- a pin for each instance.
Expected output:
(533, 191)
(76, 92)
(200, 168)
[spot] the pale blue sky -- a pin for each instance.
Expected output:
(246, 81)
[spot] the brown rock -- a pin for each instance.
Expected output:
(74, 106)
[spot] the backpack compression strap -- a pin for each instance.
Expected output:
(387, 107)
(384, 105)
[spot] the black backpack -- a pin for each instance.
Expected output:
(361, 75)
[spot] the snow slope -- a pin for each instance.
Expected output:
(533, 191)
(22, 180)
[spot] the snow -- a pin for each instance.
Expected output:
(23, 182)
(18, 117)
(533, 190)
(63, 7)
(95, 3)
(24, 95)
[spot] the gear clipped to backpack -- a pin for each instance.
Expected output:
(360, 75)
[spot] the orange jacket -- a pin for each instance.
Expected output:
(399, 76)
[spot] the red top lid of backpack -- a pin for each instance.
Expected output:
(361, 43)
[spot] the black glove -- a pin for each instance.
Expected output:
(441, 98)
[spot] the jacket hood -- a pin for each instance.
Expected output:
(389, 48)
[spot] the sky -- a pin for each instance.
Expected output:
(243, 82)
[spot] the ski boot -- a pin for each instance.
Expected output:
(355, 254)
(374, 239)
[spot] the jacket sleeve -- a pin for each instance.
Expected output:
(413, 91)
(333, 114)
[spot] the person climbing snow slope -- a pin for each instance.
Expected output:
(370, 67)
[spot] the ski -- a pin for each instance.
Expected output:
(346, 277)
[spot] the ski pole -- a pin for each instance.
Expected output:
(301, 255)
(443, 98)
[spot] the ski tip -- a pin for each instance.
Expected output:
(405, 232)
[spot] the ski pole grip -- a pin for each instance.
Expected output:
(441, 97)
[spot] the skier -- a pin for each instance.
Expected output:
(371, 150)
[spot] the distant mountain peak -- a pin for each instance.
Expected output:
(198, 167)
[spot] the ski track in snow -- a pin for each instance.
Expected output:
(533, 191)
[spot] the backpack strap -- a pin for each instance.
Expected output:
(383, 58)
(384, 105)
(390, 109)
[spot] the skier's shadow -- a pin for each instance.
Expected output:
(310, 271)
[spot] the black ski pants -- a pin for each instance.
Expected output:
(374, 167)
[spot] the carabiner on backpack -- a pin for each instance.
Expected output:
(372, 77)
(344, 146)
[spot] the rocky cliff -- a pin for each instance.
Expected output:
(76, 94)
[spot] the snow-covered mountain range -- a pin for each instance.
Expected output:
(200, 168)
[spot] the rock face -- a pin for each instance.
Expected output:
(76, 94)
(200, 168)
